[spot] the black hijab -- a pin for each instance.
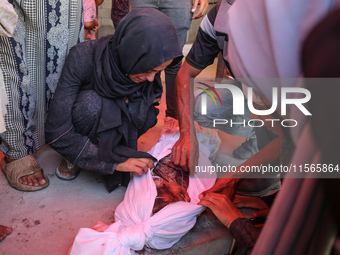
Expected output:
(144, 39)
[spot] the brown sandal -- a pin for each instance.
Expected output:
(20, 168)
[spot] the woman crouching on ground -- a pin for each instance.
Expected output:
(106, 95)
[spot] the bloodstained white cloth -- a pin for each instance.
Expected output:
(134, 226)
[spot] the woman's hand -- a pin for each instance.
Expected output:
(222, 207)
(136, 165)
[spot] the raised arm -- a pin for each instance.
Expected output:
(185, 151)
(202, 54)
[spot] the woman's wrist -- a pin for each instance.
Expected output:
(233, 218)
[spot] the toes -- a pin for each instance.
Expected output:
(42, 181)
(23, 180)
(40, 178)
(74, 171)
(37, 179)
(34, 179)
(63, 168)
(66, 170)
(30, 180)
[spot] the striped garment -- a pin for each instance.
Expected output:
(31, 62)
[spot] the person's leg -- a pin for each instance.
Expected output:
(170, 79)
(86, 113)
(136, 4)
(31, 76)
(85, 119)
(179, 12)
(119, 9)
(4, 231)
(21, 137)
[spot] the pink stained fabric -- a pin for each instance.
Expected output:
(8, 19)
(90, 10)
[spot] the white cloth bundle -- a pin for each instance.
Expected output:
(134, 226)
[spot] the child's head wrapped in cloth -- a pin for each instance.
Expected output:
(171, 183)
(143, 221)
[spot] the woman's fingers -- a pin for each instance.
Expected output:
(142, 165)
(137, 165)
(148, 162)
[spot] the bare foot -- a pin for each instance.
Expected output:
(31, 180)
(67, 169)
(4, 231)
(34, 179)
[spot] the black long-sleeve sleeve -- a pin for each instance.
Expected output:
(245, 234)
(77, 74)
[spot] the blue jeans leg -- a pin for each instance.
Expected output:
(179, 12)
